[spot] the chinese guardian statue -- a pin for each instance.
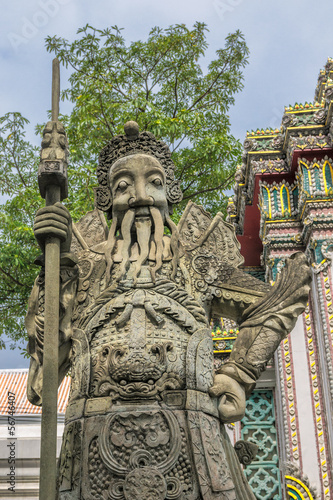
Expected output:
(146, 411)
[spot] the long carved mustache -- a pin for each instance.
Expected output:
(141, 227)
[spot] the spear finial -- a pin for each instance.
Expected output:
(54, 152)
(55, 89)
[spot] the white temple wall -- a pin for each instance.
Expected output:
(27, 453)
(306, 417)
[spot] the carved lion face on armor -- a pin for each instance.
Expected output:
(140, 211)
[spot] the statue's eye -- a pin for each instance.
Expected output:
(122, 185)
(157, 181)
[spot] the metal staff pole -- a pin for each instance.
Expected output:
(52, 179)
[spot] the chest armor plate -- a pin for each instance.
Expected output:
(138, 343)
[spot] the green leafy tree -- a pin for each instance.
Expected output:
(18, 185)
(161, 84)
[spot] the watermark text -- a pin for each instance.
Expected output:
(30, 26)
(11, 444)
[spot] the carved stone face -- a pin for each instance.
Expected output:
(137, 182)
(139, 213)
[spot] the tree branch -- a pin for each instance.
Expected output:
(12, 152)
(176, 97)
(188, 165)
(130, 67)
(97, 79)
(12, 278)
(104, 116)
(209, 88)
(179, 143)
(220, 186)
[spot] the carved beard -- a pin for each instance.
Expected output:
(146, 229)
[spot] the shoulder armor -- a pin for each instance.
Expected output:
(197, 230)
(89, 232)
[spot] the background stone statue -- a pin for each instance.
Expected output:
(146, 411)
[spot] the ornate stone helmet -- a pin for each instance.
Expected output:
(131, 143)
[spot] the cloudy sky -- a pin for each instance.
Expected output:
(289, 42)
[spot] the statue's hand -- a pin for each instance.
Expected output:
(232, 398)
(53, 220)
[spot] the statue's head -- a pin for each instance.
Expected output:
(134, 144)
(137, 189)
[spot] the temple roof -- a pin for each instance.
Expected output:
(271, 154)
(15, 381)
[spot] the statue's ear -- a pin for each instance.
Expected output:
(173, 192)
(103, 198)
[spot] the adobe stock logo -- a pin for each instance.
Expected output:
(40, 18)
(224, 7)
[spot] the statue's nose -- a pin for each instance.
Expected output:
(141, 198)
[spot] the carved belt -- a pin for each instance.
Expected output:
(174, 400)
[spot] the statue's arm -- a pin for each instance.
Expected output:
(263, 325)
(237, 293)
(51, 223)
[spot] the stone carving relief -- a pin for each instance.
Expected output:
(209, 458)
(141, 452)
(53, 158)
(246, 451)
(70, 459)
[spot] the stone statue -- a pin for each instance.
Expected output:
(146, 413)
